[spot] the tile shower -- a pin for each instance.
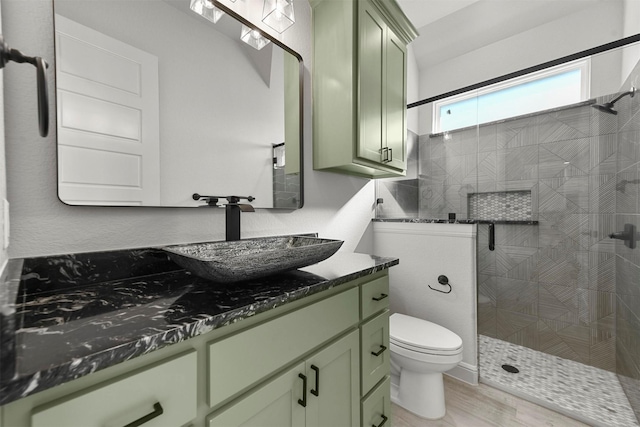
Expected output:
(549, 287)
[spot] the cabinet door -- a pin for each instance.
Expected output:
(396, 100)
(375, 362)
(371, 48)
(334, 393)
(165, 395)
(276, 404)
(376, 408)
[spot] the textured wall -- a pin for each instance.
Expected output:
(335, 206)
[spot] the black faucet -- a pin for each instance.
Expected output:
(233, 209)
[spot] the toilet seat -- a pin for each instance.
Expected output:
(422, 336)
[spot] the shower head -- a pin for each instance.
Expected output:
(607, 107)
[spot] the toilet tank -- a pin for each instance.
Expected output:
(426, 251)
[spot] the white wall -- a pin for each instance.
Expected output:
(631, 55)
(413, 90)
(336, 206)
(427, 251)
(573, 33)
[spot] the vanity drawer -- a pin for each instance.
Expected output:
(376, 354)
(167, 390)
(242, 360)
(376, 408)
(374, 296)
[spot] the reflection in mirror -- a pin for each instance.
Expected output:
(156, 103)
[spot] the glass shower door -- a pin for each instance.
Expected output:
(627, 250)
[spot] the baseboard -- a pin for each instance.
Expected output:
(465, 373)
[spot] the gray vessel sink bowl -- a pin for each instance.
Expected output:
(228, 262)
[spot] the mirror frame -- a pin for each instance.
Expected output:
(273, 40)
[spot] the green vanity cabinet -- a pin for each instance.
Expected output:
(376, 407)
(375, 356)
(359, 87)
(257, 371)
(168, 388)
(242, 360)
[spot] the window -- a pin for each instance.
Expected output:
(550, 88)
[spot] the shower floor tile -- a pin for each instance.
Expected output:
(583, 392)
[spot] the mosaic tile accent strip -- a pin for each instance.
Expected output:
(506, 205)
(583, 392)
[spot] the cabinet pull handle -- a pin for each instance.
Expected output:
(379, 352)
(316, 392)
(380, 298)
(303, 401)
(157, 411)
(384, 420)
(390, 158)
(384, 154)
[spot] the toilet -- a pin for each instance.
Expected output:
(420, 352)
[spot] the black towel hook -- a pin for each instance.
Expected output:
(444, 281)
(7, 54)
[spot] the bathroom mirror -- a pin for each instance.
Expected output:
(156, 103)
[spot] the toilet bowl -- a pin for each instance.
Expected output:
(420, 352)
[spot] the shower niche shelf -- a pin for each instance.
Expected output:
(501, 206)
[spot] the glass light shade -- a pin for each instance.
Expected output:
(253, 38)
(206, 9)
(278, 14)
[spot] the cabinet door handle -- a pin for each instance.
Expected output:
(379, 352)
(390, 158)
(303, 401)
(157, 411)
(316, 392)
(384, 420)
(384, 154)
(380, 298)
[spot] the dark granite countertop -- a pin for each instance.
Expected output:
(63, 317)
(455, 221)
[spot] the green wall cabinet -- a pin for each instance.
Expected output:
(359, 87)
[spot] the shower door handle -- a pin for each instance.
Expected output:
(492, 236)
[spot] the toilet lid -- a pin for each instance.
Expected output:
(419, 334)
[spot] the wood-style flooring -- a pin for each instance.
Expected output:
(484, 406)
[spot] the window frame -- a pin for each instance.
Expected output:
(583, 65)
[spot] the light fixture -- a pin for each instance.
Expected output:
(278, 14)
(206, 9)
(253, 38)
